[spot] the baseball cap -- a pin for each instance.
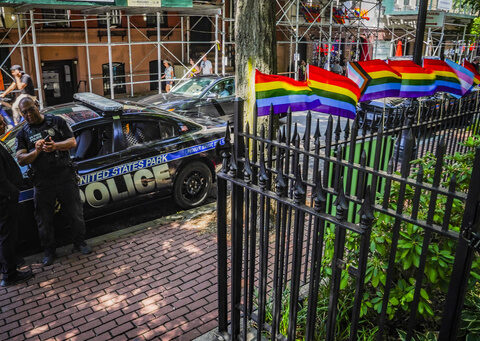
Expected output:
(16, 67)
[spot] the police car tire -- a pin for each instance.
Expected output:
(192, 169)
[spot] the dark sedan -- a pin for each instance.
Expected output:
(199, 96)
(128, 154)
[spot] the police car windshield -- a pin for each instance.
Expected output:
(9, 138)
(193, 87)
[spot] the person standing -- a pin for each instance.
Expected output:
(168, 75)
(206, 66)
(194, 71)
(24, 83)
(44, 144)
(10, 181)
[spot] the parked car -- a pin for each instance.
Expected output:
(128, 154)
(199, 96)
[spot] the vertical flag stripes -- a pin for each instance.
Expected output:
(446, 79)
(375, 79)
(416, 81)
(471, 67)
(465, 76)
(338, 94)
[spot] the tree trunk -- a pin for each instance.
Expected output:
(255, 47)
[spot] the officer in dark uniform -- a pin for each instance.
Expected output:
(44, 144)
(10, 181)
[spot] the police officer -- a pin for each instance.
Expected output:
(44, 144)
(10, 180)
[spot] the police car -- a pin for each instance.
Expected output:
(128, 153)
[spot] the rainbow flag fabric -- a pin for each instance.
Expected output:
(416, 81)
(338, 94)
(464, 75)
(446, 79)
(282, 93)
(471, 67)
(375, 79)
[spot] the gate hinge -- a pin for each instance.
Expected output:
(472, 238)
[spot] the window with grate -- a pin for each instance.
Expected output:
(115, 19)
(56, 17)
(151, 20)
(118, 78)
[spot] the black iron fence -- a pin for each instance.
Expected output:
(335, 234)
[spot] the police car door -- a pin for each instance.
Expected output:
(96, 157)
(144, 147)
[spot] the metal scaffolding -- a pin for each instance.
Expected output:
(24, 16)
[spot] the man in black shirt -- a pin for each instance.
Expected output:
(10, 181)
(44, 144)
(24, 83)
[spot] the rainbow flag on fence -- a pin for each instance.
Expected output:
(375, 79)
(465, 76)
(471, 67)
(446, 78)
(338, 94)
(416, 81)
(283, 93)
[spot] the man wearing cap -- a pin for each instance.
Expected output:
(24, 83)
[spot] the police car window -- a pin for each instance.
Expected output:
(140, 131)
(93, 142)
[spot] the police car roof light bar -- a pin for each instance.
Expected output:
(98, 102)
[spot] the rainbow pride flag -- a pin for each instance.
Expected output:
(464, 75)
(338, 94)
(416, 81)
(375, 79)
(471, 67)
(446, 79)
(283, 93)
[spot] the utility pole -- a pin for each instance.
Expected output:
(421, 20)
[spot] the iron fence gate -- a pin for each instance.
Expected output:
(305, 211)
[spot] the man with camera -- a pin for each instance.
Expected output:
(24, 83)
(44, 144)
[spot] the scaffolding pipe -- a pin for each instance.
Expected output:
(223, 38)
(110, 63)
(37, 62)
(19, 39)
(87, 52)
(375, 51)
(295, 56)
(216, 44)
(463, 43)
(183, 38)
(188, 39)
(329, 54)
(130, 54)
(159, 54)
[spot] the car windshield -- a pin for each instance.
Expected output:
(193, 87)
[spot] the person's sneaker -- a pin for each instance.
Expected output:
(17, 277)
(83, 248)
(48, 259)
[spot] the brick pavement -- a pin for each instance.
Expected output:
(158, 283)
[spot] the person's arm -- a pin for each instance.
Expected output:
(9, 89)
(26, 158)
(20, 84)
(67, 144)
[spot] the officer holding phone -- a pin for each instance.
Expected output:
(44, 144)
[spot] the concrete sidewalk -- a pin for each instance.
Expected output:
(156, 282)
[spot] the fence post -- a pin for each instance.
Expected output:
(463, 259)
(222, 236)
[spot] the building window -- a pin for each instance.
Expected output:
(115, 19)
(56, 17)
(151, 20)
(118, 78)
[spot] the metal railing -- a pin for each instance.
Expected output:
(303, 209)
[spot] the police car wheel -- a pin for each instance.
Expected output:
(192, 185)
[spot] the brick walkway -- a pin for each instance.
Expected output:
(158, 283)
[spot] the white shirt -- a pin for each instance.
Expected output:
(206, 67)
